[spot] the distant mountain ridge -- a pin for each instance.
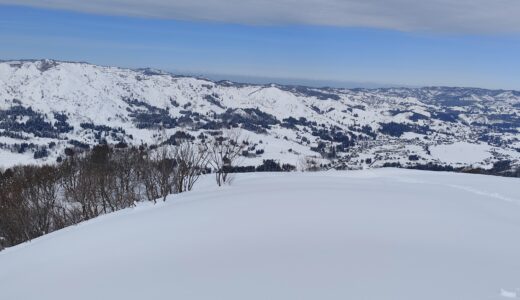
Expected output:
(48, 105)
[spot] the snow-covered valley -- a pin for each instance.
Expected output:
(372, 234)
(47, 106)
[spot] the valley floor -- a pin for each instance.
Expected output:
(374, 234)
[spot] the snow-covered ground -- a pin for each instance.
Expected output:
(376, 234)
(462, 153)
(8, 159)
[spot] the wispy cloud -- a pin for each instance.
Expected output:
(473, 16)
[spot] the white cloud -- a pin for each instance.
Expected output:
(477, 16)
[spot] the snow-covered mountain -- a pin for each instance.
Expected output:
(47, 106)
(371, 234)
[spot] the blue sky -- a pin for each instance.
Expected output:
(302, 51)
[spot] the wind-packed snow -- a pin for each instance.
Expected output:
(377, 234)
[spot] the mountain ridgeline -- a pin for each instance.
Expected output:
(48, 106)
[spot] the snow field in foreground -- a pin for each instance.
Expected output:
(376, 234)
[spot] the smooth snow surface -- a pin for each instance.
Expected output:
(378, 234)
(462, 153)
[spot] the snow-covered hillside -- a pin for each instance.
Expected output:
(47, 106)
(374, 234)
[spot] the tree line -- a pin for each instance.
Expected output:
(36, 200)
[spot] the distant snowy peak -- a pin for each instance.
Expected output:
(74, 104)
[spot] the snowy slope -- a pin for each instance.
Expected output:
(378, 234)
(50, 105)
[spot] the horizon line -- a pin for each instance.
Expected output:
(264, 80)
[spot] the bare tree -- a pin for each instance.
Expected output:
(78, 185)
(162, 166)
(35, 200)
(41, 194)
(125, 178)
(173, 169)
(191, 161)
(224, 153)
(14, 213)
(29, 204)
(308, 164)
